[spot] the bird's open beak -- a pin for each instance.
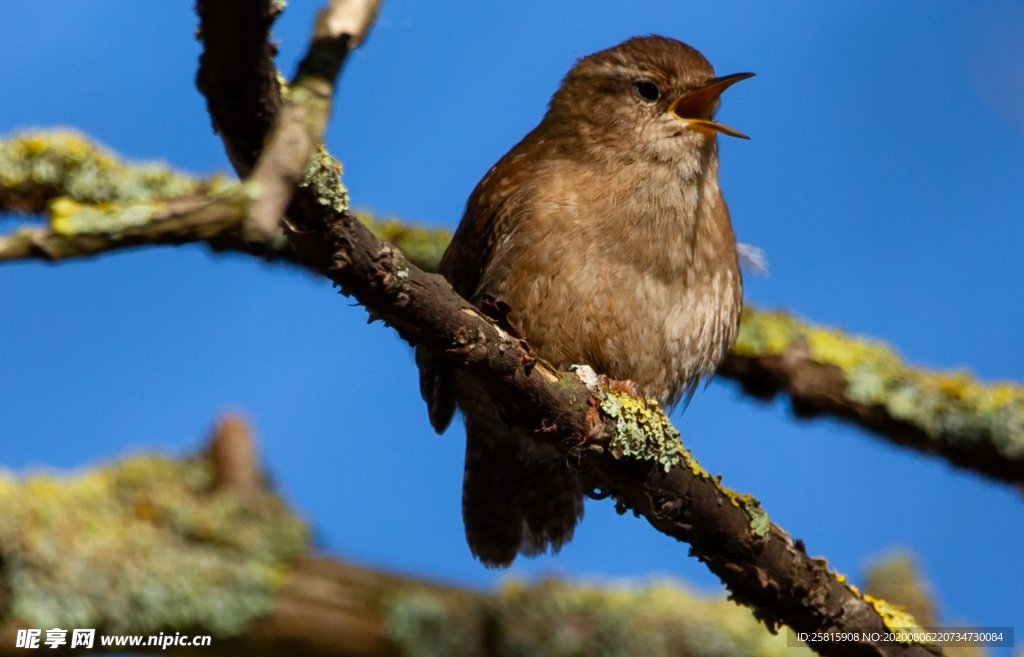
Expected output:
(696, 108)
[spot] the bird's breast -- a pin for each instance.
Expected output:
(584, 305)
(637, 277)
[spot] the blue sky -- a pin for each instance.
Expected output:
(884, 180)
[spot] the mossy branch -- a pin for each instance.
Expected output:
(141, 546)
(78, 230)
(40, 166)
(148, 544)
(89, 196)
(973, 425)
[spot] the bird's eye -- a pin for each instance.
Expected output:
(648, 91)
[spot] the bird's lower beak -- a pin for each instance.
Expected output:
(696, 108)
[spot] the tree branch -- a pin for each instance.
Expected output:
(37, 167)
(299, 128)
(83, 230)
(976, 426)
(237, 74)
(41, 171)
(624, 447)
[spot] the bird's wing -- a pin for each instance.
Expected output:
(491, 213)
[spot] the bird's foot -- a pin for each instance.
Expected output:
(631, 388)
(595, 381)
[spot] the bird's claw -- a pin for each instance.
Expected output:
(595, 381)
(631, 388)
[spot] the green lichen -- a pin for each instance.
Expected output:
(643, 431)
(70, 218)
(139, 546)
(38, 166)
(557, 619)
(427, 624)
(323, 177)
(760, 523)
(952, 408)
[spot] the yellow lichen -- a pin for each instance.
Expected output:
(764, 333)
(895, 618)
(323, 177)
(952, 408)
(70, 218)
(760, 523)
(845, 581)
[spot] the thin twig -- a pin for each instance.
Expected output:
(299, 129)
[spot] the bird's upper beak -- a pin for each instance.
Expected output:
(696, 108)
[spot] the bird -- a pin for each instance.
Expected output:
(605, 235)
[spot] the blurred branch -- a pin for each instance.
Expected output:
(153, 543)
(979, 427)
(976, 426)
(141, 546)
(37, 167)
(78, 230)
(233, 458)
(895, 577)
(62, 174)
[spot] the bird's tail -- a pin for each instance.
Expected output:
(515, 498)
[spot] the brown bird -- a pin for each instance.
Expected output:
(606, 232)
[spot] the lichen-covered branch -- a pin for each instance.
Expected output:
(141, 546)
(77, 230)
(976, 426)
(58, 173)
(152, 543)
(37, 167)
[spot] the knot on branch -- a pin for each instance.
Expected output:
(233, 457)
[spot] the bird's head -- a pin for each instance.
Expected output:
(649, 95)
